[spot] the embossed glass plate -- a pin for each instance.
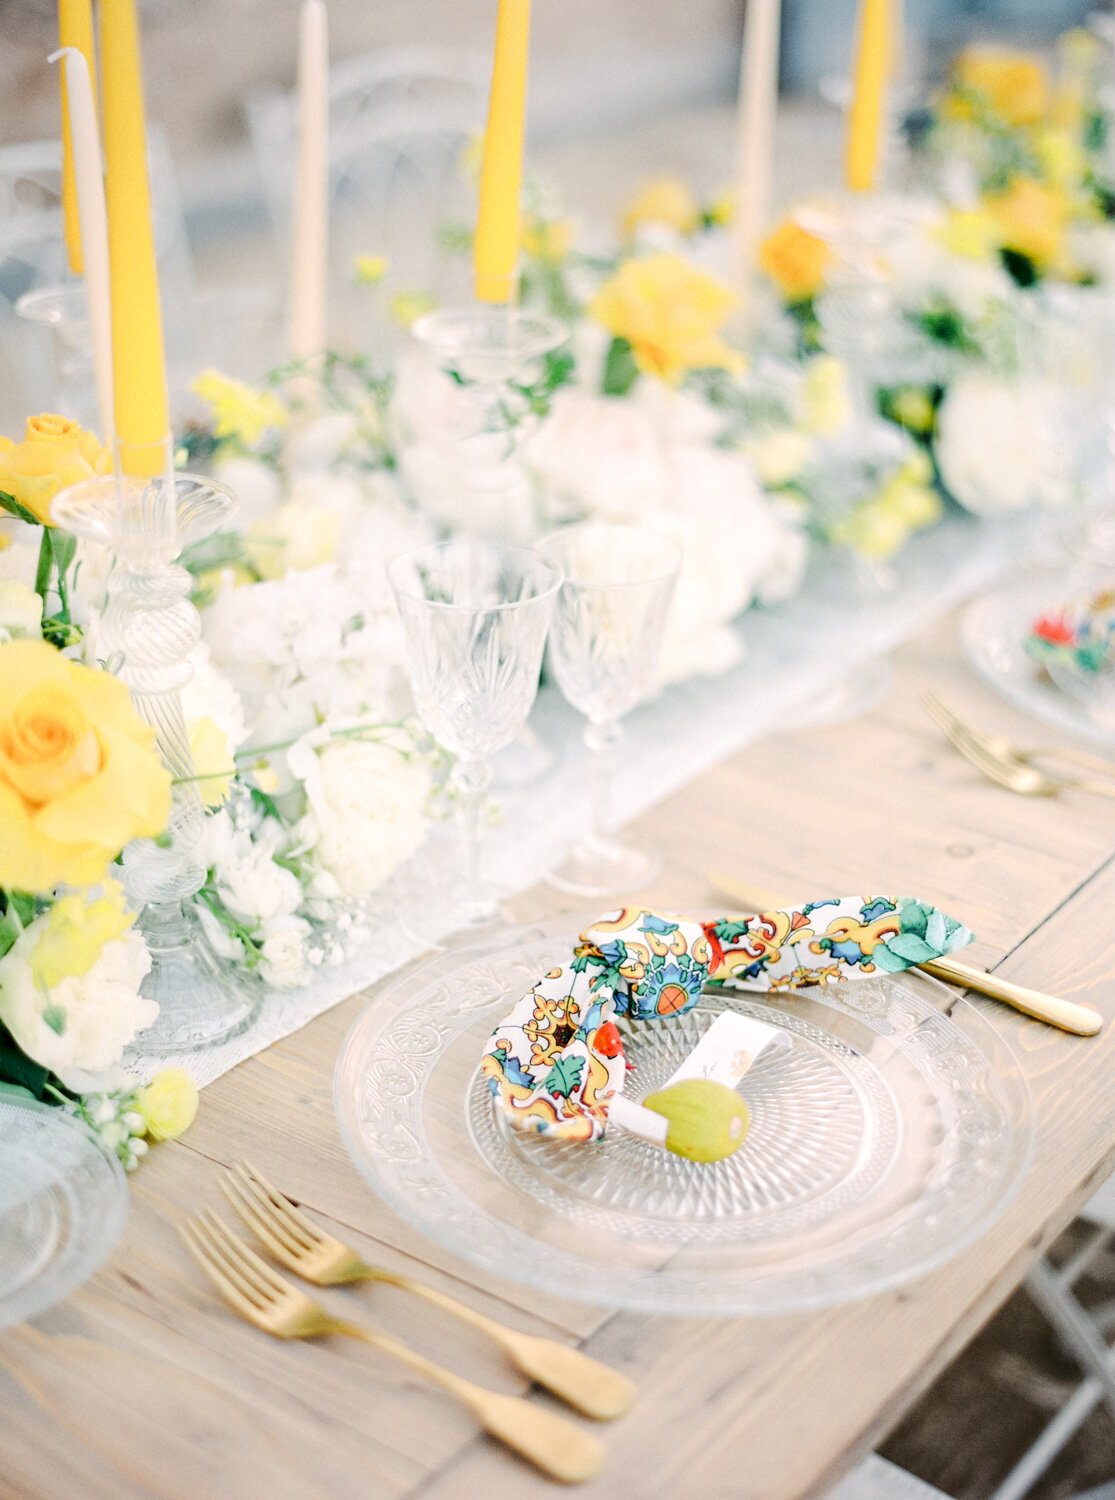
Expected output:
(993, 632)
(884, 1140)
(63, 1202)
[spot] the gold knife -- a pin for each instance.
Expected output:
(1081, 1020)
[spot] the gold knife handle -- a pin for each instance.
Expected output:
(1066, 1014)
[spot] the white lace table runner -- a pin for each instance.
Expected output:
(794, 655)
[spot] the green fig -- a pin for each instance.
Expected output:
(707, 1120)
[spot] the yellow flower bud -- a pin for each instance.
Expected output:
(168, 1103)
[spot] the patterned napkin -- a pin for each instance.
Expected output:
(554, 1063)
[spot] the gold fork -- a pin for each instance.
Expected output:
(1014, 775)
(306, 1249)
(263, 1297)
(1008, 750)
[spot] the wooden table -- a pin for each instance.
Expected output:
(142, 1385)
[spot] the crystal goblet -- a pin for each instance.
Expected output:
(475, 616)
(604, 641)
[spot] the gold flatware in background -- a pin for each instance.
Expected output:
(1013, 774)
(263, 1297)
(299, 1244)
(1064, 1014)
(946, 717)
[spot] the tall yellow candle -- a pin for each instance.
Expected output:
(138, 365)
(869, 80)
(498, 224)
(75, 29)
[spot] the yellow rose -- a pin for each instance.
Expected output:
(79, 772)
(795, 260)
(76, 931)
(667, 201)
(1013, 85)
(213, 764)
(168, 1103)
(55, 452)
(239, 411)
(297, 537)
(1031, 218)
(669, 313)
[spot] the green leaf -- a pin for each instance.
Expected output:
(23, 905)
(10, 929)
(54, 1016)
(620, 369)
(911, 948)
(14, 508)
(65, 545)
(1020, 267)
(14, 1091)
(564, 1076)
(16, 1067)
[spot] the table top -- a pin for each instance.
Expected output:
(143, 1385)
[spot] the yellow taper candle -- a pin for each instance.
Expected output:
(75, 29)
(138, 365)
(498, 226)
(869, 81)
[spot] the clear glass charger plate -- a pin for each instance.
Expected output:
(63, 1202)
(993, 632)
(885, 1139)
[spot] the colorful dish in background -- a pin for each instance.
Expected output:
(1052, 660)
(883, 1139)
(63, 1202)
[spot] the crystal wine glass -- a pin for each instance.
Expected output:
(475, 616)
(604, 641)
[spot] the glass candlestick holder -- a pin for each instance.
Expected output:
(150, 627)
(492, 352)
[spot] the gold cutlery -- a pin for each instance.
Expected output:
(1065, 1014)
(263, 1297)
(1007, 750)
(303, 1247)
(1013, 774)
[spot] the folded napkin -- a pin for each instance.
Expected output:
(557, 1059)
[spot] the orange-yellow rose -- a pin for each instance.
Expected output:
(1031, 218)
(55, 452)
(1014, 85)
(79, 772)
(795, 260)
(669, 313)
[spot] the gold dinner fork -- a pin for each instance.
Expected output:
(1014, 775)
(938, 710)
(301, 1245)
(263, 1297)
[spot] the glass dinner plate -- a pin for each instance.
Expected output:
(63, 1202)
(884, 1139)
(993, 632)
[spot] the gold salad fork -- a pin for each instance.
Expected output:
(1013, 774)
(301, 1245)
(1008, 750)
(263, 1297)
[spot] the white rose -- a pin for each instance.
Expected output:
(256, 889)
(21, 611)
(94, 1015)
(283, 962)
(368, 801)
(997, 444)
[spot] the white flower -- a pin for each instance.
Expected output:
(256, 485)
(256, 889)
(83, 1022)
(210, 695)
(599, 454)
(367, 806)
(283, 961)
(997, 444)
(320, 443)
(222, 942)
(21, 611)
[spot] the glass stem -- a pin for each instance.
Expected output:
(471, 778)
(602, 742)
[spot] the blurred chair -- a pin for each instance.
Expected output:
(1083, 1334)
(400, 120)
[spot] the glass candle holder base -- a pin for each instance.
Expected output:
(604, 868)
(202, 1000)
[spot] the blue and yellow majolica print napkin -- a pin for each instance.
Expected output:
(557, 1059)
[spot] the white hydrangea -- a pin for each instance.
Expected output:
(95, 1015)
(366, 805)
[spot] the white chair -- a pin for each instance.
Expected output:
(1083, 1333)
(399, 121)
